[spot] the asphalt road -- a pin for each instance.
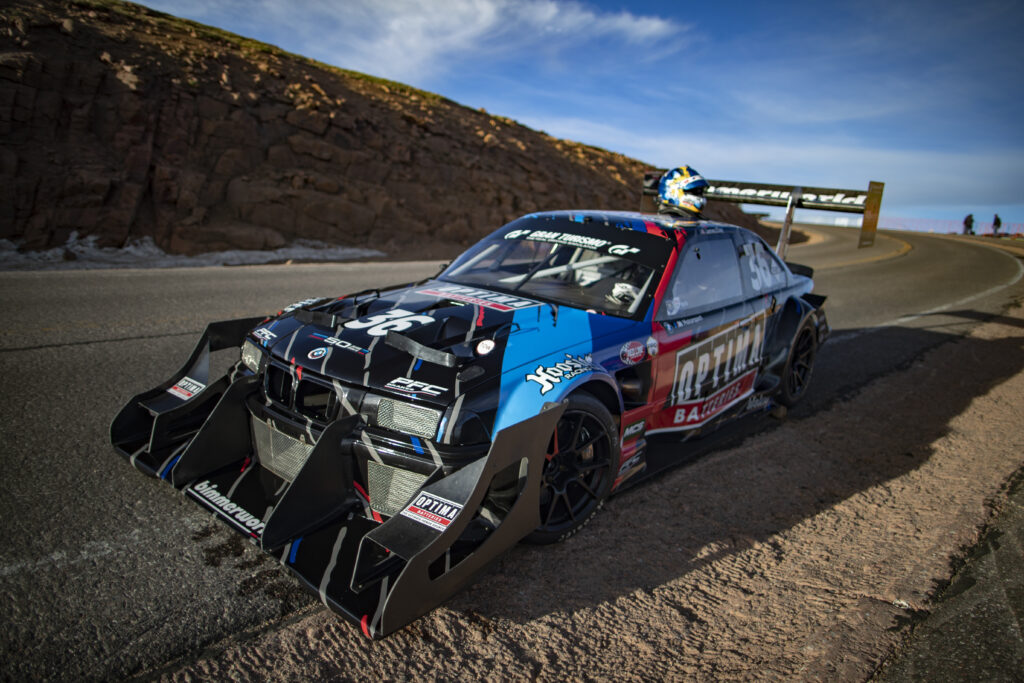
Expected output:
(105, 573)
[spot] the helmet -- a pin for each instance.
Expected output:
(681, 191)
(623, 294)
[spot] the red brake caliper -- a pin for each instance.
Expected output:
(554, 450)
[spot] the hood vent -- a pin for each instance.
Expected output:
(418, 350)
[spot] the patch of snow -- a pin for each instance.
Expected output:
(79, 254)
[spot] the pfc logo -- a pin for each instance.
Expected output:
(414, 387)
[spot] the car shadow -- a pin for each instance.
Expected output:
(755, 485)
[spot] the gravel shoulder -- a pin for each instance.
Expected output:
(808, 551)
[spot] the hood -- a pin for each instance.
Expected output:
(433, 351)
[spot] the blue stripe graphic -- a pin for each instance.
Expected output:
(295, 549)
(167, 470)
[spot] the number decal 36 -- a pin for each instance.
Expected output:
(395, 319)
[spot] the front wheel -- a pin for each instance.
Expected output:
(577, 473)
(797, 375)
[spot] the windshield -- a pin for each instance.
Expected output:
(580, 274)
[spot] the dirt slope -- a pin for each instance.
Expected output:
(123, 122)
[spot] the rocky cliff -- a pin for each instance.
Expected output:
(122, 122)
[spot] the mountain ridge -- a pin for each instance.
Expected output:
(123, 122)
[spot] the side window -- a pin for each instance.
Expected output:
(707, 277)
(762, 270)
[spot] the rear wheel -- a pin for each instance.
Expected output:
(577, 473)
(797, 375)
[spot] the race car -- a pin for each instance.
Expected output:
(386, 445)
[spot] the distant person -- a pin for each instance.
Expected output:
(997, 223)
(969, 224)
(681, 192)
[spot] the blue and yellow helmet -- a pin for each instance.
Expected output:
(681, 191)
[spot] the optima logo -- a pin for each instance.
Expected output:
(434, 511)
(186, 388)
(701, 369)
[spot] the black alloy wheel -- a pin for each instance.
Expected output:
(578, 472)
(797, 376)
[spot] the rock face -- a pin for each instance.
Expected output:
(122, 122)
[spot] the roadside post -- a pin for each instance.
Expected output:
(782, 248)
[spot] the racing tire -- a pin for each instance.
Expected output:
(796, 378)
(578, 471)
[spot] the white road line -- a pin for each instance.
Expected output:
(847, 336)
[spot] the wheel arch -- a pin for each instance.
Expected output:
(604, 392)
(794, 313)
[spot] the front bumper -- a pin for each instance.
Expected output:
(380, 528)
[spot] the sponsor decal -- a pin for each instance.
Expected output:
(758, 402)
(572, 240)
(566, 238)
(209, 494)
(572, 366)
(264, 335)
(716, 373)
(300, 304)
(764, 193)
(673, 326)
(703, 367)
(479, 297)
(635, 429)
(414, 387)
(652, 347)
(339, 343)
(186, 388)
(629, 464)
(317, 353)
(434, 511)
(396, 319)
(632, 352)
(695, 413)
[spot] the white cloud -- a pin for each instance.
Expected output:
(410, 40)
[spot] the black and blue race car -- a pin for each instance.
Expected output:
(386, 445)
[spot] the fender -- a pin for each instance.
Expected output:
(552, 378)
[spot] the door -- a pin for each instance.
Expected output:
(706, 336)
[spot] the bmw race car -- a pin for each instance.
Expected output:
(386, 445)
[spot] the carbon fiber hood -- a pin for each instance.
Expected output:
(436, 355)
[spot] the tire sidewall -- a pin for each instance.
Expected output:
(784, 396)
(585, 402)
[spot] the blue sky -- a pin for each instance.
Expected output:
(927, 97)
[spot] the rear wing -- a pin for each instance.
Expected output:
(866, 202)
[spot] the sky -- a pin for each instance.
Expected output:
(926, 97)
